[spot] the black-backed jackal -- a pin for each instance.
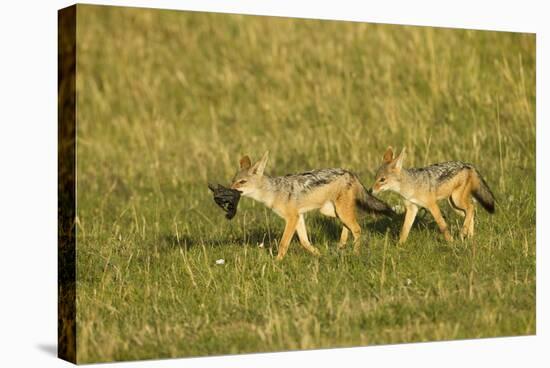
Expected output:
(456, 181)
(334, 192)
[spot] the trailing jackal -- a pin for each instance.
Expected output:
(456, 181)
(334, 192)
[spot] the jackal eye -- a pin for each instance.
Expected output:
(241, 182)
(381, 180)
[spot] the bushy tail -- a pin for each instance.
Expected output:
(369, 203)
(482, 193)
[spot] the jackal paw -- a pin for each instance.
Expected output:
(465, 235)
(315, 252)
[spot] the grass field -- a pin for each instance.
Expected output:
(168, 101)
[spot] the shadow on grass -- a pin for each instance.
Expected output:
(186, 242)
(441, 246)
(332, 228)
(423, 221)
(183, 241)
(319, 227)
(381, 225)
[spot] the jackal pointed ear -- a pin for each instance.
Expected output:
(399, 159)
(388, 155)
(245, 162)
(259, 166)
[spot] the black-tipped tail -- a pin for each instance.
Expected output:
(482, 193)
(371, 204)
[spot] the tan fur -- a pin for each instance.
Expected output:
(424, 187)
(335, 194)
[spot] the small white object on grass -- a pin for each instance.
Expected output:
(220, 261)
(409, 282)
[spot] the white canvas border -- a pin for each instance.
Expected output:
(28, 207)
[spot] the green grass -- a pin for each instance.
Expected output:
(170, 100)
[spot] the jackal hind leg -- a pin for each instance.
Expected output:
(471, 227)
(468, 227)
(290, 228)
(328, 209)
(438, 217)
(302, 235)
(463, 201)
(343, 238)
(345, 210)
(459, 211)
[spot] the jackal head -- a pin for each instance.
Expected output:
(388, 176)
(249, 177)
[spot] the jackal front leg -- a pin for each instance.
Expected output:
(290, 228)
(302, 235)
(410, 215)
